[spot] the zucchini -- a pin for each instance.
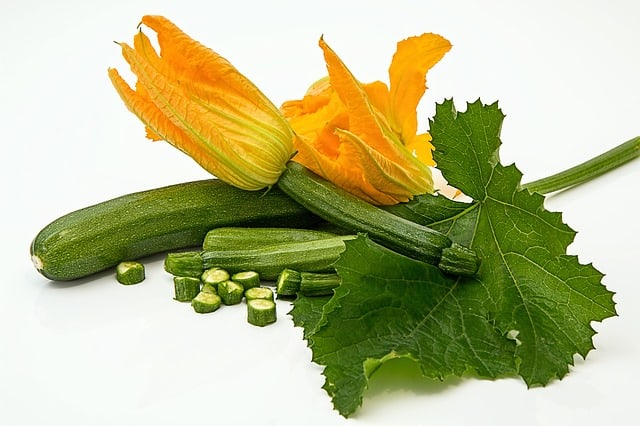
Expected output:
(270, 261)
(237, 238)
(144, 223)
(345, 210)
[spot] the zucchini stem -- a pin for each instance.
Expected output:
(588, 170)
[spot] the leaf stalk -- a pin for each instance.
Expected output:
(588, 170)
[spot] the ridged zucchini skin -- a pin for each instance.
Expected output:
(242, 238)
(345, 210)
(144, 223)
(270, 261)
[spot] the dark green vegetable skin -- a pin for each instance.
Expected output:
(343, 209)
(98, 237)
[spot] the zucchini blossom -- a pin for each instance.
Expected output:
(193, 98)
(363, 137)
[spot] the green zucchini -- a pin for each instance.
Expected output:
(269, 261)
(345, 210)
(237, 238)
(144, 223)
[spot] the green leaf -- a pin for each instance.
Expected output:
(307, 312)
(538, 293)
(528, 311)
(391, 306)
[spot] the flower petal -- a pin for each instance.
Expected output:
(397, 180)
(420, 146)
(212, 78)
(364, 121)
(407, 74)
(346, 174)
(366, 124)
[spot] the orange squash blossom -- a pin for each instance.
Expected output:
(363, 137)
(197, 101)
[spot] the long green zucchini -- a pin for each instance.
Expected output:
(268, 261)
(339, 207)
(242, 238)
(98, 237)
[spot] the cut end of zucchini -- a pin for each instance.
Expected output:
(288, 283)
(37, 262)
(248, 279)
(258, 293)
(184, 264)
(214, 276)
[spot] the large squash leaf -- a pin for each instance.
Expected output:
(527, 312)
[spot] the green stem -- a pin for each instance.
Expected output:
(588, 170)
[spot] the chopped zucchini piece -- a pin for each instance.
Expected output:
(184, 264)
(130, 272)
(261, 312)
(231, 292)
(209, 288)
(214, 276)
(204, 303)
(315, 284)
(288, 283)
(186, 288)
(248, 279)
(258, 293)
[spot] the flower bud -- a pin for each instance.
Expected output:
(193, 98)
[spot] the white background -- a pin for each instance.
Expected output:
(566, 73)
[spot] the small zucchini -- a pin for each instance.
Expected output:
(269, 261)
(345, 210)
(98, 237)
(236, 238)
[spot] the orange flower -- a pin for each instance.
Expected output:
(363, 137)
(197, 101)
